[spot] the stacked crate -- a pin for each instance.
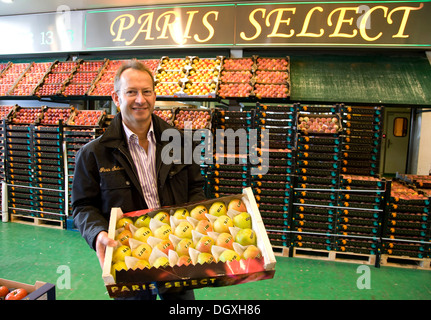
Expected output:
(317, 178)
(83, 79)
(272, 178)
(360, 215)
(230, 171)
(11, 75)
(406, 228)
(361, 140)
(57, 78)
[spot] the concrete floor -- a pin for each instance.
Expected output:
(30, 253)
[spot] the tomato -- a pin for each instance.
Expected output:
(3, 292)
(16, 294)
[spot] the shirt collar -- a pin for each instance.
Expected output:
(130, 133)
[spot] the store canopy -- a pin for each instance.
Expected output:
(369, 79)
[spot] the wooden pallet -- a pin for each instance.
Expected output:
(388, 260)
(330, 255)
(36, 221)
(281, 251)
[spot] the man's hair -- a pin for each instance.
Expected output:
(130, 64)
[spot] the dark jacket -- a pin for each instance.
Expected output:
(105, 177)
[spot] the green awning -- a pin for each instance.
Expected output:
(354, 78)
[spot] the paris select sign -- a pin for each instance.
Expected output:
(377, 23)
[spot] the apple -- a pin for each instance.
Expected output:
(204, 244)
(142, 234)
(184, 260)
(246, 237)
(124, 237)
(162, 216)
(143, 221)
(184, 230)
(237, 205)
(165, 246)
(163, 232)
(117, 266)
(218, 209)
(120, 253)
(141, 264)
(205, 257)
(242, 220)
(161, 262)
(203, 226)
(123, 223)
(142, 251)
(198, 212)
(181, 213)
(183, 247)
(222, 224)
(225, 240)
(251, 252)
(229, 255)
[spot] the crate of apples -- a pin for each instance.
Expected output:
(218, 242)
(279, 91)
(200, 89)
(52, 116)
(26, 116)
(280, 64)
(86, 118)
(168, 88)
(235, 90)
(193, 119)
(327, 124)
(165, 114)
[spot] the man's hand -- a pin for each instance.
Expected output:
(102, 241)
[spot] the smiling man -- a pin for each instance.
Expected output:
(124, 167)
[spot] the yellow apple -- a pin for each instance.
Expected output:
(204, 226)
(162, 216)
(218, 209)
(225, 240)
(143, 221)
(204, 244)
(242, 220)
(183, 247)
(237, 204)
(161, 262)
(246, 237)
(181, 213)
(205, 257)
(198, 212)
(142, 251)
(120, 253)
(184, 230)
(124, 223)
(165, 246)
(119, 265)
(124, 237)
(184, 260)
(141, 264)
(251, 252)
(229, 255)
(163, 232)
(142, 234)
(222, 224)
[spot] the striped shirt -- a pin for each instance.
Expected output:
(145, 164)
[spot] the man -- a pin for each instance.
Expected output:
(125, 168)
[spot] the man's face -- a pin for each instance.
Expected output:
(136, 98)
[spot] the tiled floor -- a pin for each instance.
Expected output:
(30, 253)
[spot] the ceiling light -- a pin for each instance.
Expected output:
(7, 1)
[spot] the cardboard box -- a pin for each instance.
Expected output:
(175, 278)
(38, 291)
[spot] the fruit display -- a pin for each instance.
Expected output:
(316, 124)
(218, 238)
(194, 119)
(170, 75)
(86, 118)
(152, 64)
(26, 115)
(168, 63)
(4, 111)
(52, 116)
(165, 114)
(232, 90)
(30, 79)
(53, 83)
(236, 76)
(278, 77)
(206, 63)
(105, 84)
(81, 81)
(238, 63)
(278, 64)
(200, 89)
(168, 88)
(10, 76)
(271, 90)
